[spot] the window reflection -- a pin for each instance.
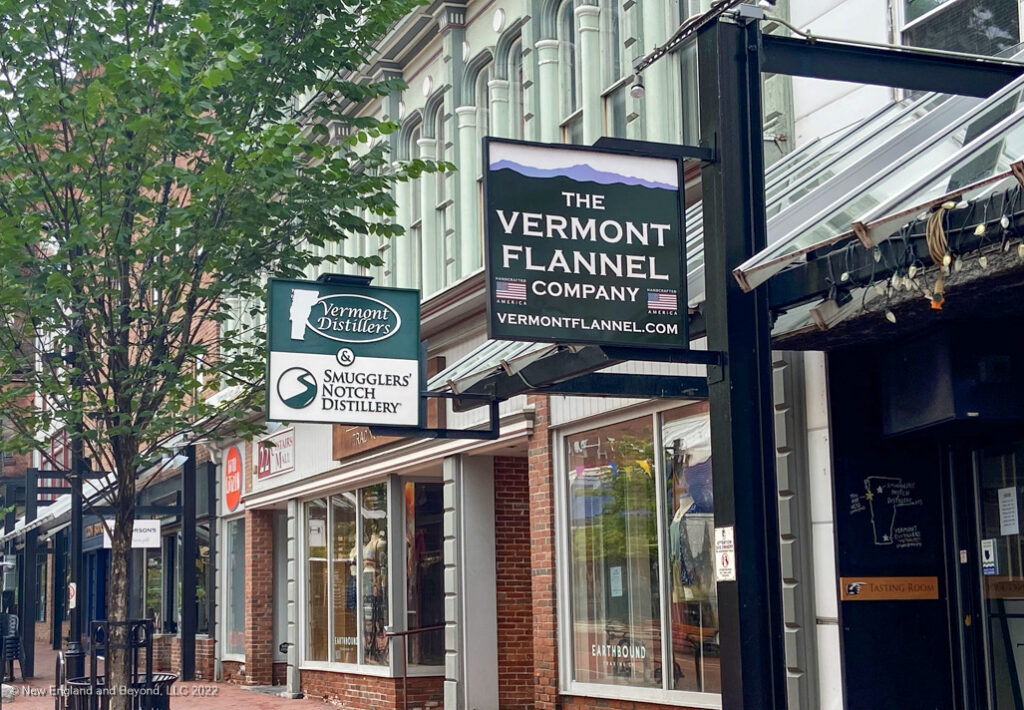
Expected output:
(616, 618)
(424, 571)
(375, 573)
(316, 580)
(346, 641)
(686, 438)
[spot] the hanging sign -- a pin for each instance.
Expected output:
(232, 478)
(145, 535)
(584, 246)
(343, 354)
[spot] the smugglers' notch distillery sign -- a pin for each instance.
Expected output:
(343, 354)
(584, 246)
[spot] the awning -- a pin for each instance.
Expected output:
(500, 369)
(936, 150)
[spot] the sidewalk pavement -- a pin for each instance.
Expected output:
(37, 693)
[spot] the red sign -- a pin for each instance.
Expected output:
(233, 478)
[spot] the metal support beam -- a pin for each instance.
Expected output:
(60, 542)
(665, 150)
(745, 494)
(602, 384)
(28, 600)
(189, 553)
(76, 661)
(918, 70)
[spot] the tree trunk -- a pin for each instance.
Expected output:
(118, 658)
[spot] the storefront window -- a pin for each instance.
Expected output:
(424, 536)
(625, 482)
(234, 556)
(347, 577)
(153, 585)
(317, 632)
(202, 579)
(346, 639)
(616, 619)
(375, 573)
(686, 439)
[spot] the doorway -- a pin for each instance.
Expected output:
(992, 590)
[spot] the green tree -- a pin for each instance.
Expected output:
(159, 160)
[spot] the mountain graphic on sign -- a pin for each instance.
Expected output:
(580, 173)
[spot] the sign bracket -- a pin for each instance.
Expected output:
(492, 432)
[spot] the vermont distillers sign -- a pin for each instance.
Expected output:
(343, 354)
(584, 246)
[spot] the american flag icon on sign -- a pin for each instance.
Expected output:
(661, 301)
(510, 290)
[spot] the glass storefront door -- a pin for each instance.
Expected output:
(1000, 481)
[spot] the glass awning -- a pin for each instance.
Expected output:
(796, 184)
(939, 148)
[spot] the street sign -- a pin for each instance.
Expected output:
(584, 246)
(343, 354)
(72, 595)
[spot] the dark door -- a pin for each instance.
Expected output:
(999, 571)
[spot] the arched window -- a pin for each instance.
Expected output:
(444, 208)
(616, 70)
(415, 234)
(516, 92)
(569, 65)
(483, 102)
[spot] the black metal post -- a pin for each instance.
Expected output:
(75, 654)
(189, 553)
(57, 591)
(29, 601)
(740, 390)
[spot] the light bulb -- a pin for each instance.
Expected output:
(890, 316)
(983, 262)
(979, 230)
(1004, 222)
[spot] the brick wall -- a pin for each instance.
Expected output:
(542, 558)
(280, 673)
(162, 652)
(360, 692)
(231, 671)
(204, 658)
(514, 586)
(167, 655)
(259, 596)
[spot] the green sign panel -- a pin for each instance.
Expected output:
(584, 246)
(343, 354)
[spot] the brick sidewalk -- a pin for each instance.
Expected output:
(36, 693)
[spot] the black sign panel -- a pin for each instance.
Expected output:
(584, 246)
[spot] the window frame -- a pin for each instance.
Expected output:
(395, 579)
(563, 573)
(222, 630)
(902, 25)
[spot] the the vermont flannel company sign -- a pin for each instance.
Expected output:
(584, 246)
(342, 354)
